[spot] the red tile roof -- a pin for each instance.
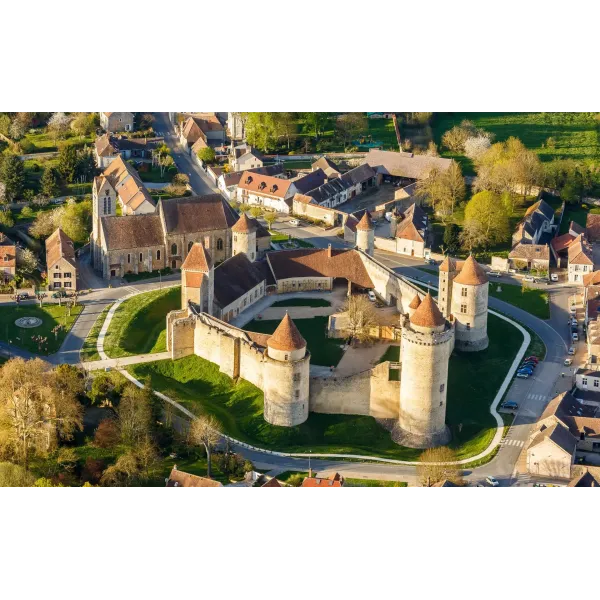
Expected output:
(286, 337)
(427, 314)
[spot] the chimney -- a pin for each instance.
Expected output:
(310, 473)
(329, 251)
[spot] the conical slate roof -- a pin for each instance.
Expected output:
(198, 259)
(364, 224)
(471, 273)
(427, 314)
(286, 337)
(416, 302)
(243, 225)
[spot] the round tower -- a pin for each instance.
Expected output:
(198, 279)
(470, 307)
(365, 235)
(427, 341)
(286, 376)
(244, 237)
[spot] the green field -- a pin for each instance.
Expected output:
(51, 315)
(472, 385)
(324, 351)
(139, 324)
(89, 350)
(313, 302)
(575, 134)
(533, 300)
(44, 142)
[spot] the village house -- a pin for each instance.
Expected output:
(330, 194)
(266, 191)
(149, 242)
(309, 181)
(335, 480)
(585, 477)
(244, 157)
(116, 121)
(179, 478)
(359, 179)
(108, 147)
(308, 208)
(330, 169)
(8, 259)
(592, 228)
(60, 262)
(537, 226)
(580, 260)
(411, 232)
(530, 257)
(566, 427)
(200, 130)
(560, 244)
(228, 182)
(404, 168)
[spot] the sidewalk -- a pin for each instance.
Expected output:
(124, 361)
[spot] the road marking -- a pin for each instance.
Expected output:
(511, 442)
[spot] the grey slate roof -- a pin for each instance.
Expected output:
(558, 434)
(236, 277)
(358, 174)
(310, 181)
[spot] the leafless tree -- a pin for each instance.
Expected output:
(430, 470)
(362, 317)
(205, 431)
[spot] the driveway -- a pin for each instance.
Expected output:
(199, 180)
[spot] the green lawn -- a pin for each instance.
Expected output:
(472, 385)
(350, 482)
(51, 316)
(392, 354)
(130, 277)
(153, 174)
(44, 142)
(89, 351)
(575, 134)
(139, 324)
(283, 237)
(324, 351)
(313, 302)
(297, 164)
(577, 213)
(533, 300)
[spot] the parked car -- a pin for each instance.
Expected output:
(510, 405)
(371, 295)
(529, 278)
(494, 274)
(430, 261)
(568, 362)
(60, 294)
(528, 364)
(572, 350)
(23, 296)
(575, 336)
(535, 359)
(554, 277)
(492, 481)
(294, 222)
(542, 281)
(523, 375)
(525, 370)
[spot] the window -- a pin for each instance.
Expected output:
(141, 257)
(57, 275)
(68, 275)
(296, 377)
(235, 238)
(463, 309)
(158, 255)
(129, 259)
(67, 284)
(190, 244)
(442, 387)
(463, 292)
(219, 244)
(245, 301)
(584, 381)
(297, 394)
(286, 357)
(173, 249)
(596, 382)
(57, 284)
(468, 326)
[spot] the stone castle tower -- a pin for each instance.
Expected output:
(470, 307)
(463, 296)
(244, 237)
(286, 376)
(365, 235)
(104, 204)
(198, 279)
(427, 342)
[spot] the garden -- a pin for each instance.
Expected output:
(56, 322)
(139, 324)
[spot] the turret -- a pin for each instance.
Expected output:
(104, 204)
(447, 274)
(197, 279)
(244, 237)
(416, 302)
(365, 235)
(470, 307)
(427, 341)
(286, 376)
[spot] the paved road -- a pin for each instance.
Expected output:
(199, 181)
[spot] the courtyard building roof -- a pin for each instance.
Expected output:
(286, 337)
(310, 181)
(530, 252)
(236, 277)
(133, 231)
(197, 213)
(405, 164)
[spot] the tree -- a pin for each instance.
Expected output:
(58, 125)
(270, 218)
(135, 467)
(475, 147)
(256, 211)
(33, 413)
(317, 122)
(49, 183)
(207, 155)
(12, 174)
(67, 162)
(27, 261)
(452, 238)
(6, 218)
(76, 220)
(84, 123)
(17, 129)
(205, 431)
(107, 434)
(261, 129)
(86, 165)
(442, 189)
(456, 138)
(350, 125)
(430, 471)
(455, 185)
(147, 121)
(134, 412)
(361, 317)
(12, 475)
(2, 193)
(285, 125)
(486, 221)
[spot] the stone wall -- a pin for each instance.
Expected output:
(304, 284)
(367, 393)
(388, 244)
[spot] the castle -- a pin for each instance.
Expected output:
(279, 364)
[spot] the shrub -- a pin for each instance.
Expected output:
(107, 434)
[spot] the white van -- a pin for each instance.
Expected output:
(294, 222)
